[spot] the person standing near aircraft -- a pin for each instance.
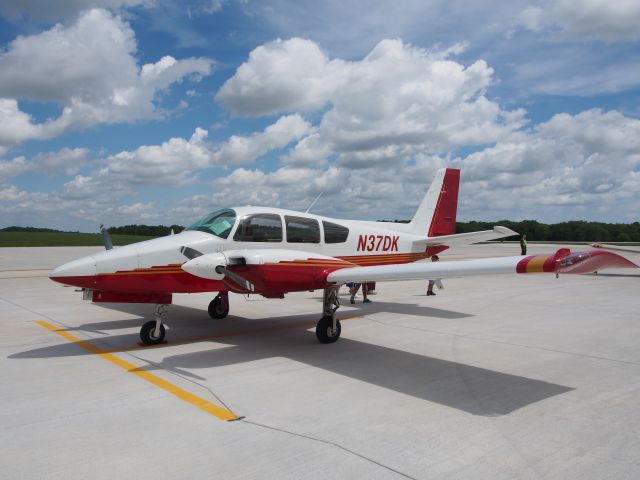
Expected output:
(434, 258)
(523, 244)
(355, 289)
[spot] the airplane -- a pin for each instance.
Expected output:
(272, 252)
(617, 248)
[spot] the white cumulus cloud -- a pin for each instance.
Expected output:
(66, 161)
(175, 162)
(48, 10)
(170, 163)
(572, 166)
(87, 67)
(590, 19)
(282, 76)
(245, 149)
(397, 101)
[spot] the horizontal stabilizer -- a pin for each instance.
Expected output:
(469, 238)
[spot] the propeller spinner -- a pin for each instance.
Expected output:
(213, 266)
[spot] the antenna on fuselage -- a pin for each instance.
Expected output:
(313, 203)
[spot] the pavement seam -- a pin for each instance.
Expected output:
(182, 394)
(185, 378)
(529, 464)
(327, 442)
(488, 340)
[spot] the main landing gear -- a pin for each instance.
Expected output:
(219, 306)
(328, 328)
(152, 332)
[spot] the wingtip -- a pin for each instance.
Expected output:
(504, 231)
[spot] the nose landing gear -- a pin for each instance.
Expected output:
(153, 331)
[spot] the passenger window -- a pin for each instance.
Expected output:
(302, 230)
(262, 227)
(334, 233)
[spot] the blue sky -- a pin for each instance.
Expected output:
(143, 111)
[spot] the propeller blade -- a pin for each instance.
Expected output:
(244, 283)
(190, 253)
(106, 239)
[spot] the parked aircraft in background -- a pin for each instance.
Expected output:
(271, 252)
(634, 250)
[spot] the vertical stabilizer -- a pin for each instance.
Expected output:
(436, 214)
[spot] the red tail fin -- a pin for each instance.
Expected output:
(443, 221)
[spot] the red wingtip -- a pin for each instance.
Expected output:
(591, 261)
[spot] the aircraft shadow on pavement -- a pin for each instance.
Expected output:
(143, 313)
(475, 390)
(622, 275)
(405, 309)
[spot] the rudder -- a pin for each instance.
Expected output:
(436, 215)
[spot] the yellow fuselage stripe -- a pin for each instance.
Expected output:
(201, 403)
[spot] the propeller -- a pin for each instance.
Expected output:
(190, 253)
(243, 282)
(106, 239)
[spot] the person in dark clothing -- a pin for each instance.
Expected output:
(523, 244)
(434, 258)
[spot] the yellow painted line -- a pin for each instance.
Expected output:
(201, 403)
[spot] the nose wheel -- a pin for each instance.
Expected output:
(219, 306)
(153, 331)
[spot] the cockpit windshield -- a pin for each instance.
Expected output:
(219, 223)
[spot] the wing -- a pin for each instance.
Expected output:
(469, 238)
(563, 261)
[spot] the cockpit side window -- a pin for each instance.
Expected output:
(334, 233)
(302, 230)
(218, 223)
(260, 227)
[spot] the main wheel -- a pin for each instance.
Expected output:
(325, 331)
(216, 310)
(147, 333)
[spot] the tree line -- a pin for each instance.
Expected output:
(146, 230)
(140, 230)
(573, 231)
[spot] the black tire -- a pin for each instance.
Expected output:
(146, 333)
(324, 330)
(215, 309)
